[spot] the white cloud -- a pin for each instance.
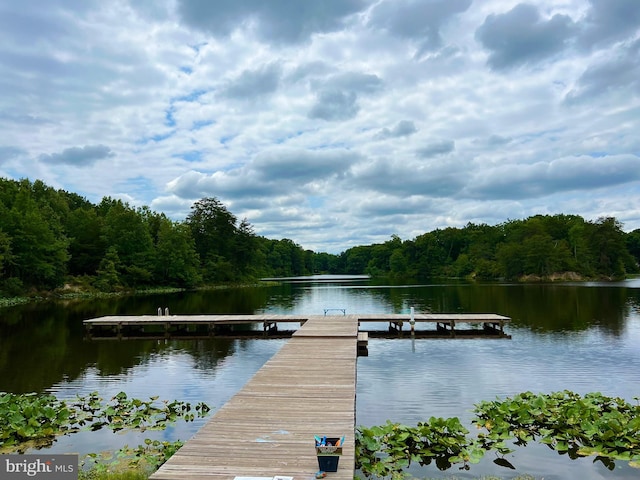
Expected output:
(333, 123)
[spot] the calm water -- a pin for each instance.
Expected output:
(582, 337)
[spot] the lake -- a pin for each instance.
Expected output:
(583, 337)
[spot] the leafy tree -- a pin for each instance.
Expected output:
(126, 231)
(87, 242)
(326, 263)
(39, 256)
(285, 258)
(108, 278)
(580, 250)
(633, 245)
(398, 265)
(538, 259)
(246, 250)
(379, 263)
(510, 257)
(454, 242)
(430, 255)
(5, 251)
(357, 259)
(483, 241)
(213, 228)
(462, 267)
(177, 262)
(608, 247)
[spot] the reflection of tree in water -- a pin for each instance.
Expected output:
(543, 307)
(42, 344)
(561, 307)
(634, 300)
(206, 353)
(283, 297)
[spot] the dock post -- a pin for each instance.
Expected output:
(412, 321)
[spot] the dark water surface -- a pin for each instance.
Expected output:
(581, 337)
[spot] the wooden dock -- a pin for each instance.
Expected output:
(308, 388)
(267, 429)
(445, 325)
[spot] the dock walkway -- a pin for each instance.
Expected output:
(267, 429)
(308, 388)
(196, 326)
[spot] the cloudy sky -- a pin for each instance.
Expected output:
(330, 122)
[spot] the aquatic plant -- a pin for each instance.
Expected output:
(579, 426)
(40, 418)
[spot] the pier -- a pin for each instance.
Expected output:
(307, 388)
(267, 429)
(427, 325)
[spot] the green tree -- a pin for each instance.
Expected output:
(126, 231)
(246, 250)
(430, 255)
(633, 245)
(398, 263)
(87, 244)
(5, 251)
(213, 228)
(108, 278)
(483, 241)
(543, 255)
(177, 262)
(608, 247)
(39, 256)
(380, 256)
(357, 259)
(510, 257)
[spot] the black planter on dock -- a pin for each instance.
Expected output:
(328, 452)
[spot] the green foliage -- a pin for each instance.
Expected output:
(567, 422)
(108, 278)
(594, 424)
(37, 241)
(537, 247)
(129, 463)
(34, 420)
(87, 243)
(47, 234)
(97, 473)
(633, 245)
(40, 418)
(32, 417)
(177, 262)
(389, 449)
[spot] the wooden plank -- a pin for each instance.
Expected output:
(318, 322)
(194, 326)
(267, 429)
(308, 388)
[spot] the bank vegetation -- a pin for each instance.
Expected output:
(53, 240)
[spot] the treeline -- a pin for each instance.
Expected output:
(50, 237)
(538, 247)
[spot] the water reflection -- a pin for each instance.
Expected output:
(42, 344)
(580, 337)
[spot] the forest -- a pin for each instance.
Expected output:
(51, 238)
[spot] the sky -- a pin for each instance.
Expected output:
(333, 123)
